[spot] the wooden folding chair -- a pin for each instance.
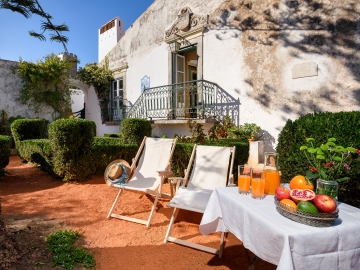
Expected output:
(147, 177)
(212, 168)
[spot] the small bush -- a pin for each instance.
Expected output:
(344, 126)
(38, 151)
(25, 129)
(134, 130)
(5, 146)
(71, 141)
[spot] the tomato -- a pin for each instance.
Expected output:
(289, 203)
(300, 182)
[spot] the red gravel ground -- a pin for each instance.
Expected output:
(35, 204)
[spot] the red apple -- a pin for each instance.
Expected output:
(325, 203)
(282, 193)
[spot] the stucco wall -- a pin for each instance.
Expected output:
(262, 52)
(10, 86)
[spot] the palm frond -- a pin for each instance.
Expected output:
(59, 38)
(16, 7)
(37, 35)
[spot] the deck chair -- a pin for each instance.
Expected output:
(212, 168)
(153, 165)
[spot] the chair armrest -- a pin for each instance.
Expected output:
(175, 180)
(178, 181)
(165, 173)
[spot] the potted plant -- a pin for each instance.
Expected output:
(328, 164)
(251, 129)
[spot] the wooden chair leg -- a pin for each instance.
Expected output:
(173, 217)
(153, 210)
(114, 203)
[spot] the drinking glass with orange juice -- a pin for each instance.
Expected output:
(244, 179)
(258, 184)
(272, 175)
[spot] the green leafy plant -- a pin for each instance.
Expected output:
(327, 161)
(99, 77)
(64, 253)
(250, 129)
(46, 82)
(133, 130)
(220, 128)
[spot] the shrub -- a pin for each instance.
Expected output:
(134, 130)
(38, 151)
(71, 141)
(104, 150)
(344, 126)
(25, 129)
(5, 146)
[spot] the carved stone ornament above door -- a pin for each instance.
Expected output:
(186, 23)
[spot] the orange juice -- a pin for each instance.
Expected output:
(257, 187)
(244, 183)
(272, 181)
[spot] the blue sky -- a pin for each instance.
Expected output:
(83, 17)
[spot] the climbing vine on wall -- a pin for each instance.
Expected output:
(99, 77)
(46, 82)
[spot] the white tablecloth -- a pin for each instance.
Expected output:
(281, 241)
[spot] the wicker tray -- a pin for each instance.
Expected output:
(315, 220)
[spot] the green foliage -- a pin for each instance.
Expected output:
(328, 161)
(134, 129)
(197, 133)
(73, 153)
(61, 244)
(38, 151)
(344, 126)
(46, 82)
(113, 135)
(4, 128)
(25, 129)
(250, 129)
(5, 146)
(97, 76)
(238, 133)
(220, 128)
(71, 141)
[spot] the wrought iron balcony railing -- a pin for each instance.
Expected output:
(195, 99)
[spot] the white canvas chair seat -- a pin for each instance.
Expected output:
(212, 168)
(149, 174)
(193, 199)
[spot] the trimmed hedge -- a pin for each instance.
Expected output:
(71, 141)
(25, 129)
(134, 129)
(38, 151)
(5, 147)
(344, 126)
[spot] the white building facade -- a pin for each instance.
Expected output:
(273, 61)
(108, 36)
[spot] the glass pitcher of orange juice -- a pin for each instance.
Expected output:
(272, 175)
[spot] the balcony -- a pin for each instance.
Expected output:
(199, 99)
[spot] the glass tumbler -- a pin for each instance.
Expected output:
(244, 179)
(258, 184)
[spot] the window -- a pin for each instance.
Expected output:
(117, 99)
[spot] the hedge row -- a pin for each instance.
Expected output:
(344, 126)
(5, 147)
(73, 153)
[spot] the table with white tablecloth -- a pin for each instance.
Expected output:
(281, 241)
